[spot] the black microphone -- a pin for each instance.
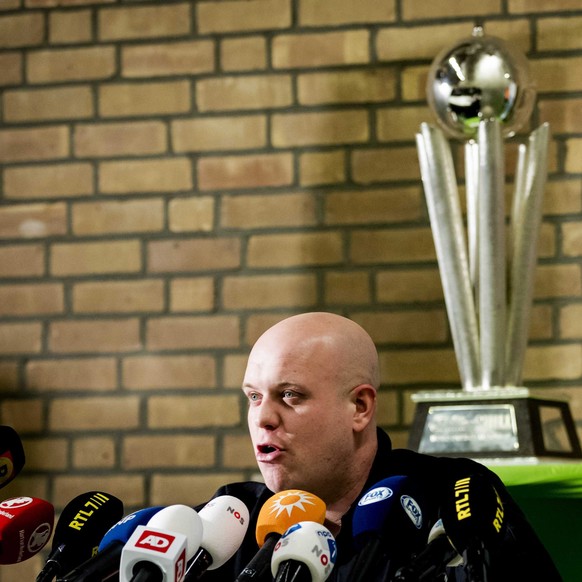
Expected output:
(81, 526)
(388, 526)
(279, 512)
(11, 455)
(474, 519)
(106, 563)
(433, 560)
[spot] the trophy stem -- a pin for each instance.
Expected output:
(472, 194)
(442, 197)
(518, 198)
(529, 192)
(492, 290)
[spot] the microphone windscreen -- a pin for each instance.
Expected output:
(473, 511)
(11, 455)
(183, 520)
(79, 530)
(106, 562)
(392, 511)
(306, 543)
(86, 518)
(285, 509)
(26, 524)
(122, 530)
(153, 555)
(225, 520)
(276, 516)
(388, 526)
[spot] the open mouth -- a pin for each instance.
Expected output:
(266, 449)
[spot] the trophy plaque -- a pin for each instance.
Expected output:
(481, 92)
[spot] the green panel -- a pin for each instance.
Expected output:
(551, 497)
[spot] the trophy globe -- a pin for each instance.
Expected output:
(480, 77)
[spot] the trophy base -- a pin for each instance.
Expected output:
(503, 424)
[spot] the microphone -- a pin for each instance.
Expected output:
(160, 550)
(388, 524)
(474, 519)
(432, 561)
(183, 520)
(106, 563)
(11, 455)
(153, 555)
(306, 552)
(26, 524)
(82, 524)
(278, 514)
(225, 520)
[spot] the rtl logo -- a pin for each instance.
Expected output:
(155, 540)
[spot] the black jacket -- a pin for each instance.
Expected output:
(521, 555)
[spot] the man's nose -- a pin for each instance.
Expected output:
(267, 415)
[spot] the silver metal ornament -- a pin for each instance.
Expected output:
(479, 78)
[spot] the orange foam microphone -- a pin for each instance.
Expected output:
(277, 515)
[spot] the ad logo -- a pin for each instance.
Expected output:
(155, 540)
(180, 569)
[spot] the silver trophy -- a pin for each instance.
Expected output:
(481, 92)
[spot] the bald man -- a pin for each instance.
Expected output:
(311, 383)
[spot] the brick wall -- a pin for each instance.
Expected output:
(178, 175)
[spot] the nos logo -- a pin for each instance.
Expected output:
(157, 541)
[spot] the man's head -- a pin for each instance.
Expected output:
(311, 382)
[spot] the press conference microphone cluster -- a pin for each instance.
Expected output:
(158, 543)
(177, 536)
(276, 516)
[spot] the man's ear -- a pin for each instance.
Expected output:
(364, 399)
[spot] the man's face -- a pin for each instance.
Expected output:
(300, 420)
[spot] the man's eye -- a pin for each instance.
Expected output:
(253, 396)
(289, 394)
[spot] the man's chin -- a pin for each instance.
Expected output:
(277, 481)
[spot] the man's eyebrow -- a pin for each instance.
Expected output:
(279, 386)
